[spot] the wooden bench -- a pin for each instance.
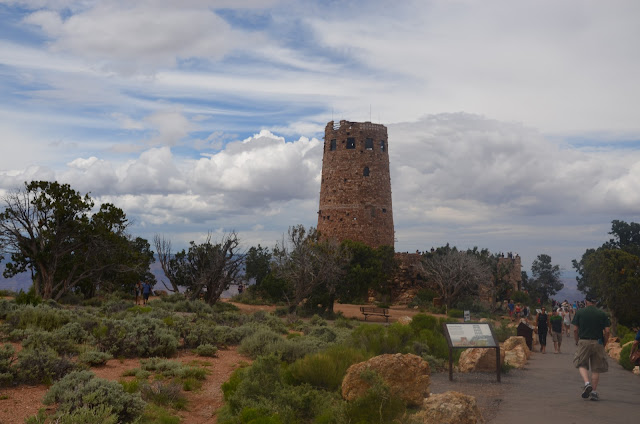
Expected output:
(372, 310)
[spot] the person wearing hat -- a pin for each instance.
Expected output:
(591, 332)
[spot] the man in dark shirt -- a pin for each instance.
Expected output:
(555, 328)
(591, 334)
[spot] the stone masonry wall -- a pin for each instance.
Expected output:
(355, 193)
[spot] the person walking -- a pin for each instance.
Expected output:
(138, 291)
(542, 323)
(555, 328)
(566, 318)
(146, 291)
(591, 333)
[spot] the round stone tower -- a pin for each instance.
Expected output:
(355, 193)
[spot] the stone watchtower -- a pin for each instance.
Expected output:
(355, 193)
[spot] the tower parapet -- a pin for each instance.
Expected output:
(355, 193)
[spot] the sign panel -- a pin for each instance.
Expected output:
(467, 316)
(470, 335)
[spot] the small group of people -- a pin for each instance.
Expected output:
(517, 310)
(591, 332)
(144, 289)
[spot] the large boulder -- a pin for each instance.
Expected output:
(613, 348)
(408, 376)
(449, 408)
(515, 341)
(516, 351)
(479, 359)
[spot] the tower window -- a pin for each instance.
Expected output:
(384, 210)
(383, 146)
(332, 145)
(368, 144)
(366, 171)
(351, 143)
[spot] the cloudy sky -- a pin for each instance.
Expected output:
(513, 125)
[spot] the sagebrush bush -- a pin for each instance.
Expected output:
(82, 390)
(41, 317)
(270, 320)
(94, 358)
(42, 365)
(207, 332)
(139, 336)
(256, 344)
(6, 307)
(326, 369)
(207, 350)
(101, 414)
(41, 339)
(7, 358)
(164, 393)
(73, 331)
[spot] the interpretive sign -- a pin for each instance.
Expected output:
(467, 316)
(470, 335)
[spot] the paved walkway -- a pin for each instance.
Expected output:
(550, 389)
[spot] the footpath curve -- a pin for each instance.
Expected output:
(550, 388)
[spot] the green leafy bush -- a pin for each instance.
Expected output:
(326, 369)
(140, 336)
(42, 365)
(81, 390)
(94, 358)
(207, 350)
(624, 358)
(28, 298)
(379, 340)
(503, 332)
(455, 313)
(378, 405)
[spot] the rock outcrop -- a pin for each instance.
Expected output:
(516, 351)
(408, 376)
(449, 408)
(479, 359)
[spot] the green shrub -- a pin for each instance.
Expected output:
(326, 369)
(155, 414)
(28, 298)
(378, 405)
(273, 322)
(624, 358)
(424, 297)
(131, 386)
(41, 317)
(7, 358)
(6, 307)
(379, 340)
(623, 331)
(114, 305)
(83, 415)
(81, 390)
(41, 339)
(207, 350)
(455, 313)
(256, 344)
(94, 358)
(436, 344)
(164, 394)
(521, 297)
(503, 332)
(423, 322)
(73, 331)
(42, 365)
(140, 336)
(207, 332)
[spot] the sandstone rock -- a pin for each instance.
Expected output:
(449, 408)
(405, 320)
(406, 375)
(514, 341)
(516, 357)
(636, 370)
(477, 359)
(613, 348)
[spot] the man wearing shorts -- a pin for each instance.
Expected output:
(555, 328)
(591, 332)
